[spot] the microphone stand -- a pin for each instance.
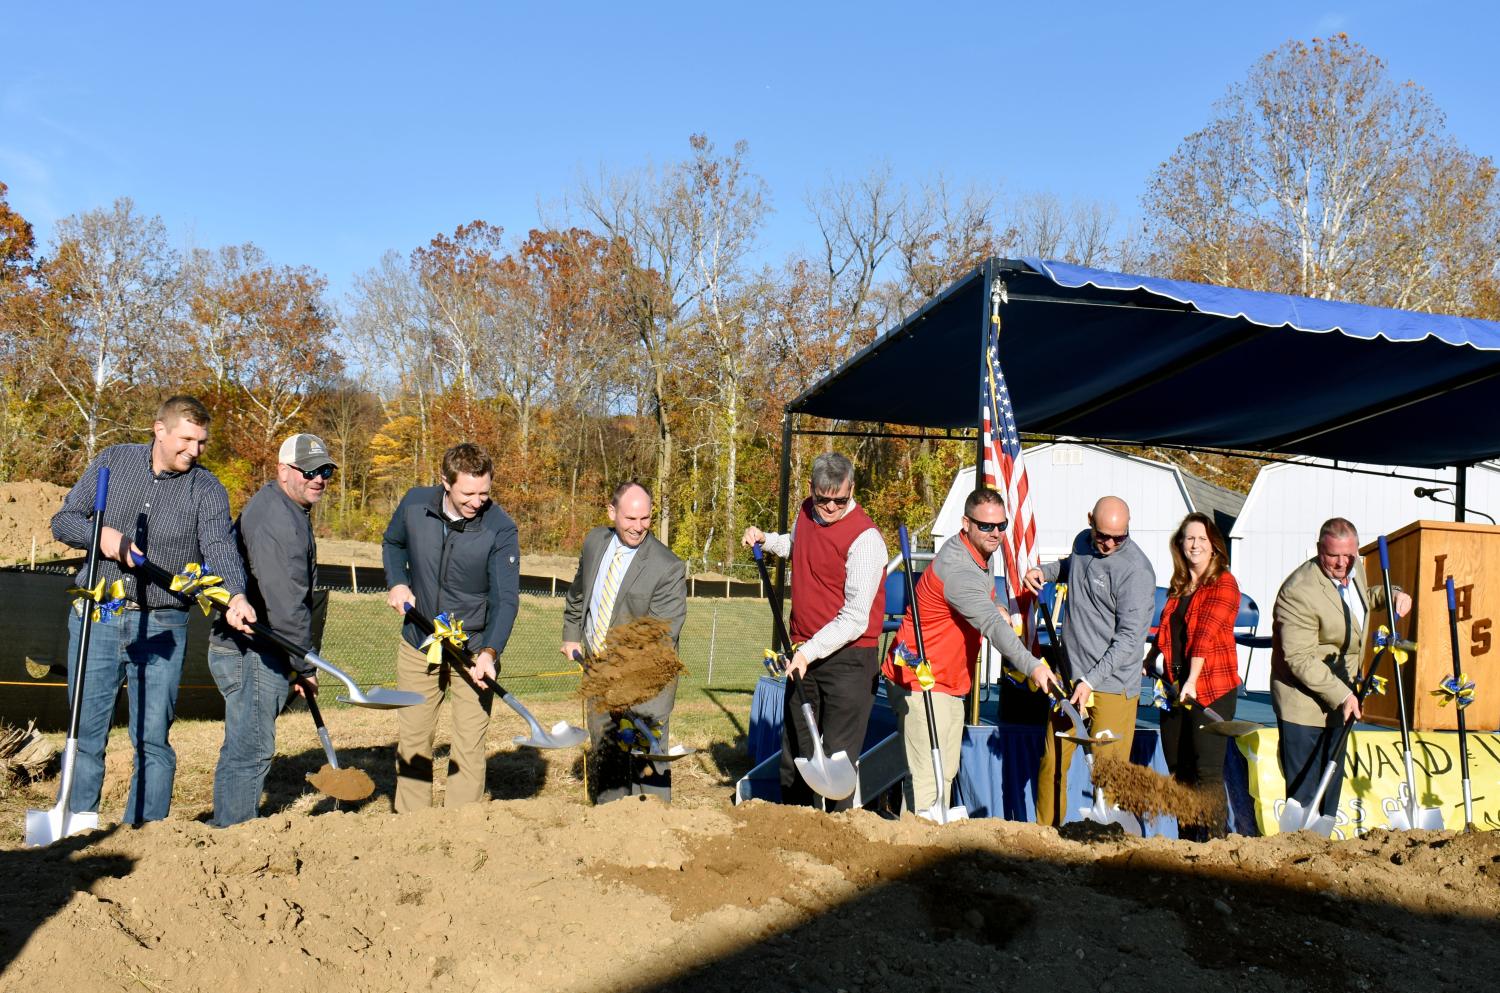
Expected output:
(1466, 510)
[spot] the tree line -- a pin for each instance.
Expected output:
(642, 333)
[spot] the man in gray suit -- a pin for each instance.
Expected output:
(624, 574)
(1317, 640)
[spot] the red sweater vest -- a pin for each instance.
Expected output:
(820, 560)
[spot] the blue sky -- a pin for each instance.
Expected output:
(330, 133)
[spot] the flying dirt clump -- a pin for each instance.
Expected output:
(638, 661)
(342, 784)
(1147, 793)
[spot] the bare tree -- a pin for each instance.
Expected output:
(1320, 175)
(115, 284)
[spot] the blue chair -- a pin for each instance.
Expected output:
(1156, 609)
(895, 601)
(1246, 624)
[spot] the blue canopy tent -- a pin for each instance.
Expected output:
(1110, 358)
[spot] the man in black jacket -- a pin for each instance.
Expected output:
(450, 551)
(275, 538)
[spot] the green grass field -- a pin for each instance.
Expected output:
(721, 647)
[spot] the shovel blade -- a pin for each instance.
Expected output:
(1409, 817)
(562, 735)
(938, 815)
(1231, 729)
(43, 827)
(381, 698)
(830, 776)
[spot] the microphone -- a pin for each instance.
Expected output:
(1430, 491)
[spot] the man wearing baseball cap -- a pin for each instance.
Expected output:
(275, 538)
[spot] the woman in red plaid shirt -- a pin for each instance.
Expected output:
(1196, 638)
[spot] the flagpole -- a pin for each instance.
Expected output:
(986, 322)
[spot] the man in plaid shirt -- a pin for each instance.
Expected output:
(162, 505)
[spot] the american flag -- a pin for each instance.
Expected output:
(1005, 471)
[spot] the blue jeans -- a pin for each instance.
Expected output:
(144, 650)
(255, 689)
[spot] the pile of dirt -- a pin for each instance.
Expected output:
(26, 510)
(638, 661)
(544, 894)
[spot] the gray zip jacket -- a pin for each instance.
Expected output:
(1110, 600)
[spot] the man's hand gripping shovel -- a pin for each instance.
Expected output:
(831, 776)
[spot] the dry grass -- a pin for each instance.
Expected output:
(711, 721)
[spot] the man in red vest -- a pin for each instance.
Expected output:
(956, 599)
(838, 605)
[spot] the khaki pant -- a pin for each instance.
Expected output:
(1113, 712)
(417, 727)
(920, 788)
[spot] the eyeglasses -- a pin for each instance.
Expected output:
(1113, 539)
(326, 471)
(988, 526)
(837, 501)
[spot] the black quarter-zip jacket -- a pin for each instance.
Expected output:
(470, 569)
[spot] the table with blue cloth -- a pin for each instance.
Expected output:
(998, 762)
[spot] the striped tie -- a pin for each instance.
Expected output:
(607, 602)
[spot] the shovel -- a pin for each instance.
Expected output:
(1295, 817)
(1216, 724)
(1100, 811)
(1463, 730)
(939, 811)
(831, 776)
(376, 698)
(350, 785)
(562, 735)
(46, 826)
(1403, 812)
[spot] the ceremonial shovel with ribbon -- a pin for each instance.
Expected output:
(831, 776)
(196, 584)
(446, 634)
(46, 826)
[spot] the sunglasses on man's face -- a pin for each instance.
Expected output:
(325, 471)
(988, 526)
(1113, 539)
(836, 501)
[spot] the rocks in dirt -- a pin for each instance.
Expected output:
(639, 660)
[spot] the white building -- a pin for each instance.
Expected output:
(1277, 527)
(1066, 479)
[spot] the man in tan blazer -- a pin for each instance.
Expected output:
(1317, 642)
(624, 574)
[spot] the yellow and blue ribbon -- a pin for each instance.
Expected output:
(1384, 639)
(108, 599)
(1377, 685)
(445, 628)
(921, 667)
(196, 582)
(1456, 690)
(1159, 698)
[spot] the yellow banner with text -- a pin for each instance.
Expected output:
(1374, 772)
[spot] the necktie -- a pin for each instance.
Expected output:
(607, 602)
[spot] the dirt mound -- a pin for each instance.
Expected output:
(544, 894)
(26, 510)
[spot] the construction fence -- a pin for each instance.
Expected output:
(721, 645)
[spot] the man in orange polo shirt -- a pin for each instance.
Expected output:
(957, 603)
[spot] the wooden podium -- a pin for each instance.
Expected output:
(1423, 555)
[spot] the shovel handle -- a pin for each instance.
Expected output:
(1385, 554)
(462, 658)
